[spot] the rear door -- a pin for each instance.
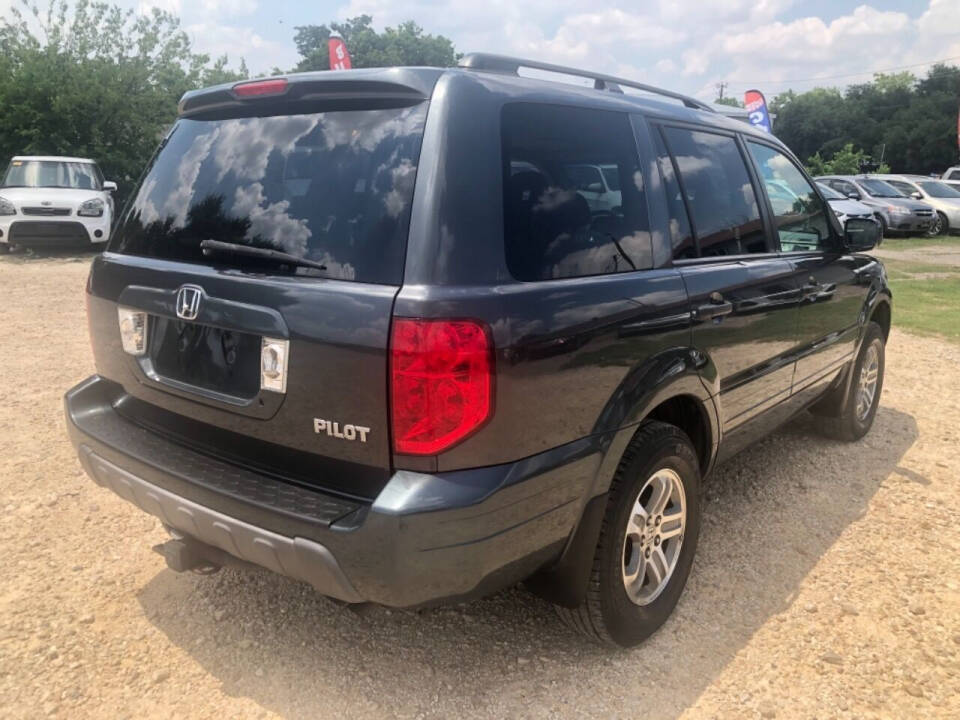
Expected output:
(269, 364)
(829, 278)
(743, 297)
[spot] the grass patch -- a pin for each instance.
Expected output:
(929, 306)
(914, 242)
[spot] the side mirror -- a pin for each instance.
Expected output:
(916, 195)
(594, 187)
(853, 195)
(861, 234)
(109, 186)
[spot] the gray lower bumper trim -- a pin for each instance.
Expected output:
(295, 557)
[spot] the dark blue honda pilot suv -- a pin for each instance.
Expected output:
(413, 335)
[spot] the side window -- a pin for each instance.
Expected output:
(574, 202)
(723, 206)
(906, 188)
(681, 237)
(799, 214)
(845, 188)
(954, 175)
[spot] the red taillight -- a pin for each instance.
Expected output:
(441, 382)
(260, 88)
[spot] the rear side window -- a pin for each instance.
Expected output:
(574, 202)
(333, 187)
(719, 194)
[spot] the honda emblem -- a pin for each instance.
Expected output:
(188, 302)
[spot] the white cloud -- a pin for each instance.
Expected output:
(690, 45)
(228, 8)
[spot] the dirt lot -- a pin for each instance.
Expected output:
(827, 582)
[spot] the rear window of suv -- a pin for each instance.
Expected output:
(574, 200)
(332, 187)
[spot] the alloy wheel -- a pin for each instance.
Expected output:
(654, 535)
(867, 383)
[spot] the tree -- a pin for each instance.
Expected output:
(95, 81)
(405, 44)
(729, 101)
(846, 161)
(911, 124)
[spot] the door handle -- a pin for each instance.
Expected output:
(717, 307)
(814, 290)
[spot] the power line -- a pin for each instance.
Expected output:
(848, 75)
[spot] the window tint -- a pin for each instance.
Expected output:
(726, 218)
(52, 174)
(879, 188)
(938, 189)
(333, 187)
(905, 188)
(844, 188)
(800, 216)
(681, 237)
(560, 218)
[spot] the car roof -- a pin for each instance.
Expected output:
(418, 83)
(52, 158)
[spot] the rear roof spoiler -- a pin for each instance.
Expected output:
(511, 65)
(389, 85)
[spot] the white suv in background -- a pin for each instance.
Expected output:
(54, 201)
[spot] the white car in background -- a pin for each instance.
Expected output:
(54, 201)
(939, 195)
(952, 177)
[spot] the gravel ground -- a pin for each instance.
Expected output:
(827, 582)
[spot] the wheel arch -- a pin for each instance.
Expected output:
(881, 314)
(684, 403)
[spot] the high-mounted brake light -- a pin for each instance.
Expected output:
(260, 88)
(441, 383)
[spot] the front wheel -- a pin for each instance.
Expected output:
(647, 540)
(939, 226)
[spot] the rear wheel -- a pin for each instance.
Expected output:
(647, 541)
(854, 416)
(4, 248)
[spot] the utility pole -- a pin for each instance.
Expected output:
(721, 86)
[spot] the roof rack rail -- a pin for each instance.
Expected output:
(505, 64)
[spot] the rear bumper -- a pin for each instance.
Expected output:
(426, 538)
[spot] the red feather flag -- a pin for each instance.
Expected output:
(339, 55)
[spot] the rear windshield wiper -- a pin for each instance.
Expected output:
(216, 247)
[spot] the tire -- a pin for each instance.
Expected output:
(609, 614)
(940, 226)
(853, 418)
(884, 232)
(4, 248)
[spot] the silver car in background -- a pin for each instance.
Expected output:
(940, 196)
(897, 213)
(843, 207)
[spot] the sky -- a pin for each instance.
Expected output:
(685, 45)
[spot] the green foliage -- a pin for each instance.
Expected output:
(95, 81)
(846, 161)
(405, 44)
(729, 101)
(913, 123)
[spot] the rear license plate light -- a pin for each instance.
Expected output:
(274, 358)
